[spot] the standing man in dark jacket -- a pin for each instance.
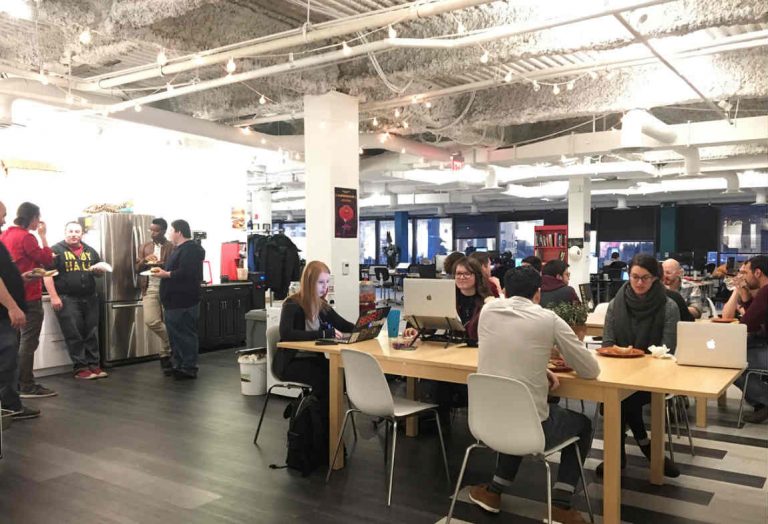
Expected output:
(28, 255)
(74, 299)
(554, 284)
(180, 296)
(12, 318)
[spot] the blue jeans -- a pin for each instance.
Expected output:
(561, 425)
(79, 321)
(757, 358)
(181, 324)
(9, 348)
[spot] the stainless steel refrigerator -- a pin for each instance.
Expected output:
(122, 333)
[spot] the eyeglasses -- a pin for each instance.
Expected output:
(643, 279)
(463, 275)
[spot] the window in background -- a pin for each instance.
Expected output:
(434, 236)
(385, 226)
(297, 232)
(367, 238)
(744, 229)
(517, 237)
(626, 250)
(477, 244)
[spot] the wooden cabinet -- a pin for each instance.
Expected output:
(551, 242)
(222, 315)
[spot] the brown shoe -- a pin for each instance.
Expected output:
(567, 516)
(486, 499)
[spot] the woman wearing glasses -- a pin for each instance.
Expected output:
(641, 315)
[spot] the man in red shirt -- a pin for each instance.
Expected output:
(27, 255)
(751, 298)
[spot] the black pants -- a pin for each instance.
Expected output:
(313, 371)
(79, 321)
(632, 415)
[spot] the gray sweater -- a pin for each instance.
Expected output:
(668, 338)
(515, 340)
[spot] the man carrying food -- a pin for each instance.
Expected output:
(74, 299)
(29, 256)
(152, 255)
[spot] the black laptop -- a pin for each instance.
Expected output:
(367, 327)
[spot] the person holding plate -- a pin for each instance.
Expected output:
(155, 253)
(74, 299)
(639, 316)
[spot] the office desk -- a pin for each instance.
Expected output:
(618, 379)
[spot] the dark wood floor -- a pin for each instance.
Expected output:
(139, 447)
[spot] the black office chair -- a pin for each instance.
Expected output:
(384, 280)
(427, 271)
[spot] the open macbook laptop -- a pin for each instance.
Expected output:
(431, 304)
(711, 345)
(367, 327)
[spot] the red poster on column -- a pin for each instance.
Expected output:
(346, 212)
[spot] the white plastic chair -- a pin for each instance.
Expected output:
(712, 308)
(369, 393)
(503, 417)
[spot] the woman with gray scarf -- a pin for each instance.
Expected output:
(641, 315)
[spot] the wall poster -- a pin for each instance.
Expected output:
(346, 212)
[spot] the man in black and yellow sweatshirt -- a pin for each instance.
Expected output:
(180, 296)
(74, 299)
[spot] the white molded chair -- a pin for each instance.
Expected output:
(503, 417)
(712, 308)
(369, 393)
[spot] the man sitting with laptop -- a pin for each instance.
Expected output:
(753, 277)
(516, 336)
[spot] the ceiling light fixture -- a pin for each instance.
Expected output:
(263, 141)
(17, 9)
(391, 33)
(536, 85)
(346, 49)
(485, 57)
(231, 66)
(162, 58)
(402, 150)
(360, 151)
(569, 86)
(508, 77)
(86, 37)
(262, 100)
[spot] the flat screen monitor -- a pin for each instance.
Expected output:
(625, 275)
(712, 257)
(518, 262)
(440, 263)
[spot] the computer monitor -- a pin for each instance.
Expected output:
(625, 275)
(518, 261)
(440, 263)
(431, 304)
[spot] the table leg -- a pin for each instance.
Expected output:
(722, 400)
(701, 412)
(612, 457)
(335, 406)
(411, 423)
(657, 438)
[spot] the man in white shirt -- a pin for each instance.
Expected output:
(516, 336)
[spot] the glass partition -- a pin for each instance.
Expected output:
(517, 237)
(367, 242)
(434, 236)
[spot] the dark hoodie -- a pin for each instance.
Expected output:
(75, 277)
(182, 289)
(554, 290)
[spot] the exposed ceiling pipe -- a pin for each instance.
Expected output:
(732, 179)
(286, 39)
(621, 203)
(692, 164)
(477, 38)
(643, 40)
(388, 141)
(759, 197)
(639, 123)
(491, 178)
(6, 116)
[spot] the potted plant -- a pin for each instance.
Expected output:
(574, 314)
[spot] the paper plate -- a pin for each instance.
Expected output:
(102, 265)
(147, 273)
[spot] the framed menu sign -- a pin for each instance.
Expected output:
(345, 212)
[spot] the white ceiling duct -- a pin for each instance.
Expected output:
(692, 160)
(474, 209)
(440, 211)
(759, 197)
(289, 217)
(733, 184)
(491, 179)
(636, 128)
(621, 203)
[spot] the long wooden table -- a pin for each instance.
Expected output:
(618, 379)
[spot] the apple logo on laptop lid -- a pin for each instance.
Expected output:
(429, 297)
(711, 344)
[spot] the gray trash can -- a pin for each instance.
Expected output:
(256, 328)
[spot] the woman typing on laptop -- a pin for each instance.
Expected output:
(307, 316)
(640, 315)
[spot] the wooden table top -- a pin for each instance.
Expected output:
(644, 374)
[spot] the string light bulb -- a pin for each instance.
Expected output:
(262, 100)
(346, 49)
(231, 66)
(43, 77)
(169, 87)
(508, 77)
(555, 89)
(397, 112)
(198, 60)
(405, 124)
(162, 58)
(460, 28)
(570, 84)
(485, 57)
(86, 37)
(375, 122)
(428, 104)
(263, 141)
(593, 75)
(536, 86)
(360, 151)
(391, 33)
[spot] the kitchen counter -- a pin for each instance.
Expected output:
(51, 356)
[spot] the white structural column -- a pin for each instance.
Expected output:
(261, 210)
(332, 160)
(579, 213)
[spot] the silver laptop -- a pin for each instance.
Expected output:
(712, 345)
(431, 303)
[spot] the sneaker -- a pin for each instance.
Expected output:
(25, 413)
(38, 391)
(183, 375)
(758, 417)
(86, 374)
(567, 516)
(485, 498)
(99, 373)
(166, 366)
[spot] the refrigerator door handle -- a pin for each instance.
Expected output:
(126, 306)
(134, 251)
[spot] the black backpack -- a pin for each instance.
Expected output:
(307, 435)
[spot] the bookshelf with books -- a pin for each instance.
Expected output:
(550, 242)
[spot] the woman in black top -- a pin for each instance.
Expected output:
(307, 316)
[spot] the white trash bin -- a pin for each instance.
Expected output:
(253, 375)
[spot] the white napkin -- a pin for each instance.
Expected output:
(660, 351)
